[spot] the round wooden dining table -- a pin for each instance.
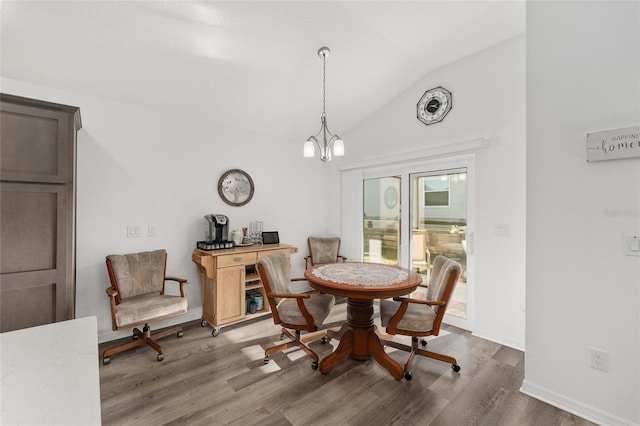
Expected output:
(361, 284)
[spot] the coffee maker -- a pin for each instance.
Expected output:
(218, 227)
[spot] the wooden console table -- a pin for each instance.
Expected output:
(226, 277)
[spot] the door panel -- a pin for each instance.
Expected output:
(230, 302)
(33, 289)
(35, 144)
(439, 227)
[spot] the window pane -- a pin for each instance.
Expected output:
(433, 199)
(382, 220)
(436, 190)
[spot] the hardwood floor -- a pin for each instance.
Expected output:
(223, 381)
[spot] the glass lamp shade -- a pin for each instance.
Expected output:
(338, 148)
(309, 150)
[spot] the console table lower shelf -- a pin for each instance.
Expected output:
(230, 280)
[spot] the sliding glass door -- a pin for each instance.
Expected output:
(436, 220)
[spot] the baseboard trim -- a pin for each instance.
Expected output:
(499, 339)
(572, 406)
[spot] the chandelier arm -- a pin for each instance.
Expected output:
(319, 132)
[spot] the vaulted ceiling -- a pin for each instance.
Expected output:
(251, 65)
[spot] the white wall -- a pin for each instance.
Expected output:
(139, 167)
(583, 75)
(488, 101)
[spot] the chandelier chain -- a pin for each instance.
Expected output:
(324, 85)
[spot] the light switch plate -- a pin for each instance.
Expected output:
(133, 231)
(632, 245)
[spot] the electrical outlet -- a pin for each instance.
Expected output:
(599, 359)
(153, 230)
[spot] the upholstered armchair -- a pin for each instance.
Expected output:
(421, 318)
(323, 250)
(137, 296)
(295, 312)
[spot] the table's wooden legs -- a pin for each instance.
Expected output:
(358, 339)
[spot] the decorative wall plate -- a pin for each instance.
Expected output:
(235, 187)
(434, 105)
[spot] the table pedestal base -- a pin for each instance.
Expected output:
(358, 339)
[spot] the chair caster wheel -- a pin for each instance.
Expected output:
(325, 340)
(160, 357)
(282, 336)
(106, 361)
(134, 336)
(408, 375)
(266, 360)
(180, 334)
(215, 332)
(203, 323)
(314, 365)
(455, 367)
(423, 342)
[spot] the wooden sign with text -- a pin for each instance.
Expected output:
(613, 144)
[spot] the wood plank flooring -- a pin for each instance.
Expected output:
(222, 380)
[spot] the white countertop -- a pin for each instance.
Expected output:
(50, 374)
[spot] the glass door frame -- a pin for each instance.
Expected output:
(404, 256)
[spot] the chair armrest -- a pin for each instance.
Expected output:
(343, 258)
(113, 294)
(307, 259)
(404, 305)
(420, 302)
(291, 296)
(181, 281)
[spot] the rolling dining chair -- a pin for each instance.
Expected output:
(295, 312)
(422, 318)
(137, 296)
(323, 250)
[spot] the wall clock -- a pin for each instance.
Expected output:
(235, 187)
(390, 197)
(434, 105)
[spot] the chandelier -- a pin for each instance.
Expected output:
(324, 139)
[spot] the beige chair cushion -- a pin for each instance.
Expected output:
(324, 250)
(277, 269)
(139, 309)
(139, 273)
(417, 317)
(318, 305)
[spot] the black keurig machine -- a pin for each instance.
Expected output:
(218, 234)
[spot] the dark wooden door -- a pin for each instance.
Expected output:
(37, 212)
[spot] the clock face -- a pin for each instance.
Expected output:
(235, 187)
(434, 105)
